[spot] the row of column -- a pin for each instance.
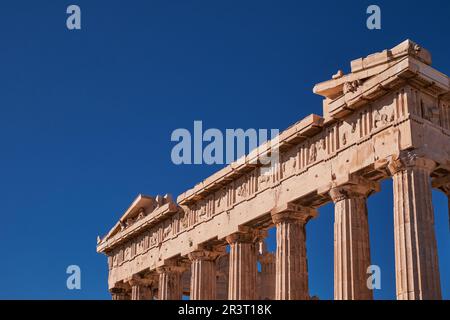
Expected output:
(416, 260)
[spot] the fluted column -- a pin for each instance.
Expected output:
(141, 287)
(243, 266)
(203, 275)
(267, 276)
(140, 292)
(291, 262)
(351, 242)
(170, 287)
(223, 268)
(416, 259)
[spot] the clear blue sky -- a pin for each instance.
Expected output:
(86, 116)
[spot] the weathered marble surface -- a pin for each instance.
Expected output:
(389, 117)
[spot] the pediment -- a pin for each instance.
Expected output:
(141, 208)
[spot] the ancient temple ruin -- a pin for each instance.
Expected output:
(388, 118)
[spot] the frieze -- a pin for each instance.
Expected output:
(289, 162)
(293, 161)
(376, 109)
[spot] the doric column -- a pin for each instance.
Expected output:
(170, 287)
(351, 241)
(291, 261)
(186, 282)
(203, 275)
(119, 294)
(223, 268)
(140, 292)
(267, 276)
(141, 288)
(243, 265)
(416, 259)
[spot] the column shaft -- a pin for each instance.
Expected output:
(223, 268)
(291, 262)
(141, 292)
(169, 284)
(267, 276)
(243, 267)
(351, 246)
(203, 276)
(416, 259)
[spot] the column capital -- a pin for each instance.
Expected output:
(350, 191)
(171, 267)
(410, 159)
(209, 255)
(138, 280)
(354, 187)
(245, 235)
(292, 212)
(135, 282)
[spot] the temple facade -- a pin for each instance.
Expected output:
(389, 118)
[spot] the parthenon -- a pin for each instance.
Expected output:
(388, 118)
